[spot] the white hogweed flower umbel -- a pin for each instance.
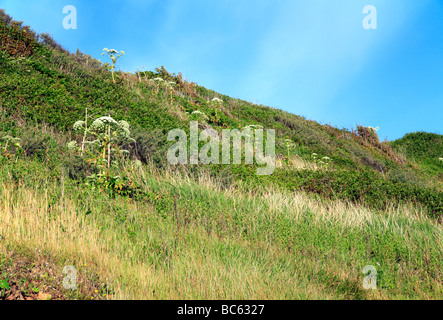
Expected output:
(107, 120)
(72, 145)
(217, 100)
(79, 125)
(97, 124)
(124, 124)
(199, 113)
(125, 132)
(137, 164)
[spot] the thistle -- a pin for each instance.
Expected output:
(114, 55)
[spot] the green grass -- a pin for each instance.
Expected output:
(204, 232)
(426, 149)
(199, 242)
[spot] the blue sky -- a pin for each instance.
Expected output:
(308, 57)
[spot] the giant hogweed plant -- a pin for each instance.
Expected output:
(169, 87)
(101, 146)
(290, 145)
(114, 55)
(323, 162)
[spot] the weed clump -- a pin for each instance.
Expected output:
(369, 134)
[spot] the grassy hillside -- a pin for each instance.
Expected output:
(145, 229)
(425, 149)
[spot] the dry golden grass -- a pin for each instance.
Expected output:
(195, 264)
(283, 201)
(27, 220)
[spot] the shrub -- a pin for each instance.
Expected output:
(374, 163)
(15, 39)
(369, 134)
(149, 147)
(407, 176)
(47, 40)
(77, 167)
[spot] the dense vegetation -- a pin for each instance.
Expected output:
(287, 235)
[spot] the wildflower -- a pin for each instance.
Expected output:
(72, 145)
(11, 139)
(441, 159)
(97, 124)
(124, 124)
(159, 79)
(125, 132)
(217, 100)
(79, 125)
(199, 113)
(137, 163)
(113, 55)
(112, 51)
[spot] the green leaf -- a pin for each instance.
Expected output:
(4, 284)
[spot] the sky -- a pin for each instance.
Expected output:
(312, 58)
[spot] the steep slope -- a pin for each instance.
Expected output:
(150, 230)
(426, 149)
(43, 83)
